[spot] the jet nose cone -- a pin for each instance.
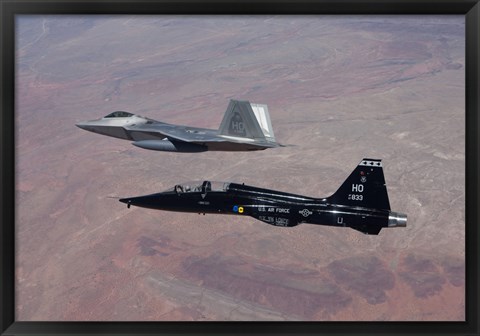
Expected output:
(82, 125)
(127, 201)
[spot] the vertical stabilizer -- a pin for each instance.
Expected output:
(263, 119)
(365, 187)
(246, 120)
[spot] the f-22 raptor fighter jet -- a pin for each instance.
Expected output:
(360, 203)
(245, 127)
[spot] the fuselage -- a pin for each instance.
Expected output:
(154, 135)
(245, 127)
(270, 206)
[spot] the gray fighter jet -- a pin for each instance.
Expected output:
(245, 127)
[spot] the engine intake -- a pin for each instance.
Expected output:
(170, 146)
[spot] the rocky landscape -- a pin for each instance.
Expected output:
(338, 88)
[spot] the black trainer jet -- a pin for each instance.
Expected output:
(361, 203)
(245, 127)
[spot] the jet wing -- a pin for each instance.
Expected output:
(200, 136)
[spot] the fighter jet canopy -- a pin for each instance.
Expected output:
(119, 114)
(198, 186)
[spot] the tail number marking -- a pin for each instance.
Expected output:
(355, 197)
(357, 187)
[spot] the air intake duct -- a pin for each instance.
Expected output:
(170, 146)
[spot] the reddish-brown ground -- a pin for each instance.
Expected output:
(338, 89)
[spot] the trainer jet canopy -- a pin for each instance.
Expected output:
(360, 203)
(245, 127)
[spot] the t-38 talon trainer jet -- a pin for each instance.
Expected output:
(245, 127)
(361, 202)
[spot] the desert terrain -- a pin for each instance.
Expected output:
(338, 88)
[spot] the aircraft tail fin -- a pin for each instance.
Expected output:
(246, 120)
(365, 187)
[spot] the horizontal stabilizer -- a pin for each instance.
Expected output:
(368, 229)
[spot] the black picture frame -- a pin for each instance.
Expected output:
(10, 8)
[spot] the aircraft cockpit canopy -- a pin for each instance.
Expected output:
(119, 114)
(205, 186)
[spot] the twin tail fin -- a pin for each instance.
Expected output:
(243, 119)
